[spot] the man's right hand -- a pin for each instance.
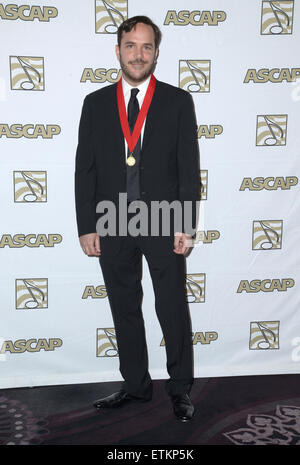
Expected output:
(90, 244)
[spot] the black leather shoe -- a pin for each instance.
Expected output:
(116, 400)
(183, 407)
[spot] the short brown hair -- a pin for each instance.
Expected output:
(130, 23)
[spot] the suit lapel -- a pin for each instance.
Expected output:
(117, 132)
(153, 115)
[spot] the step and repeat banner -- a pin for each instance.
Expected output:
(240, 62)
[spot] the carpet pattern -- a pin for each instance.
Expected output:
(249, 410)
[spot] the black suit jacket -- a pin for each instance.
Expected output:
(169, 167)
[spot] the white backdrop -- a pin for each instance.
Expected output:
(56, 325)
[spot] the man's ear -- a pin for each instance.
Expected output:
(117, 52)
(156, 54)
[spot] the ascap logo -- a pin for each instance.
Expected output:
(27, 12)
(203, 184)
(107, 343)
(271, 130)
(27, 73)
(196, 18)
(98, 292)
(277, 17)
(30, 186)
(195, 287)
(109, 15)
(269, 183)
(267, 234)
(194, 75)
(30, 345)
(203, 338)
(30, 240)
(209, 132)
(30, 131)
(272, 75)
(207, 237)
(101, 75)
(31, 293)
(264, 335)
(266, 285)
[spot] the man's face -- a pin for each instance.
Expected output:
(137, 53)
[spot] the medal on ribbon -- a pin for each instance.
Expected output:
(132, 139)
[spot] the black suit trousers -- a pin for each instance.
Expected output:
(122, 273)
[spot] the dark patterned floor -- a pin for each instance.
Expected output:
(250, 410)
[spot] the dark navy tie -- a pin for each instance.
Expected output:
(133, 179)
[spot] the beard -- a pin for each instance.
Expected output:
(146, 73)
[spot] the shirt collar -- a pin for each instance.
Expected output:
(142, 87)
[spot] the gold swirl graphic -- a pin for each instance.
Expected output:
(31, 293)
(195, 287)
(277, 17)
(271, 130)
(267, 234)
(194, 75)
(264, 335)
(109, 346)
(27, 73)
(30, 186)
(109, 15)
(203, 184)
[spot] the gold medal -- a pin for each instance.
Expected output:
(130, 160)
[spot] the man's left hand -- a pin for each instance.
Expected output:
(182, 243)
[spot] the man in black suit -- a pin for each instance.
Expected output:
(156, 160)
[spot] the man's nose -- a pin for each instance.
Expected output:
(139, 52)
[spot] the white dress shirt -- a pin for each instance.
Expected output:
(140, 96)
